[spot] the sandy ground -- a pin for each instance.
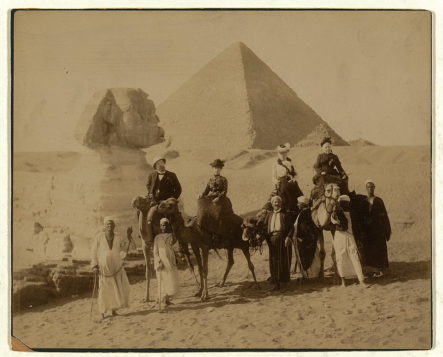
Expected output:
(393, 313)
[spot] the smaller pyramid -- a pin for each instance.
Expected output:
(317, 134)
(361, 142)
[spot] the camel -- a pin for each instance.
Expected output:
(191, 233)
(324, 206)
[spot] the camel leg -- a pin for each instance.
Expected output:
(321, 240)
(205, 294)
(229, 265)
(198, 258)
(247, 255)
(147, 271)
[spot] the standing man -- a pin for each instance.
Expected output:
(279, 229)
(376, 232)
(162, 184)
(344, 243)
(107, 255)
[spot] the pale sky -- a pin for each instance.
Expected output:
(366, 73)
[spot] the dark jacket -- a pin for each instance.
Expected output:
(342, 224)
(216, 187)
(330, 164)
(163, 189)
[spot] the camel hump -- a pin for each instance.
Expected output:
(216, 217)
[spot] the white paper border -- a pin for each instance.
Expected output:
(435, 6)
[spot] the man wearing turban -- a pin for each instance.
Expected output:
(107, 261)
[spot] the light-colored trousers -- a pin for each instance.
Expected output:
(346, 255)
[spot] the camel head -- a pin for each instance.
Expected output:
(140, 203)
(253, 232)
(321, 215)
(169, 206)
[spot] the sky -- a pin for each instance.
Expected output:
(366, 73)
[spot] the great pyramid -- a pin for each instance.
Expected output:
(237, 102)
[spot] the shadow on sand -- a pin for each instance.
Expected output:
(246, 291)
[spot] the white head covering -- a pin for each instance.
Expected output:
(108, 219)
(369, 181)
(283, 147)
(157, 158)
(164, 220)
(344, 198)
(303, 200)
(275, 198)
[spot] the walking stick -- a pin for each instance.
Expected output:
(159, 282)
(93, 293)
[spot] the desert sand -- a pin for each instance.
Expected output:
(395, 312)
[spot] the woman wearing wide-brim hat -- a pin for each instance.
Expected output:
(215, 192)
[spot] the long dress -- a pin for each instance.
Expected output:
(376, 231)
(346, 253)
(164, 252)
(113, 290)
(212, 216)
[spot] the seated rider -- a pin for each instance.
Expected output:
(284, 180)
(328, 168)
(216, 190)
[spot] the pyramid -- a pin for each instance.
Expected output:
(237, 102)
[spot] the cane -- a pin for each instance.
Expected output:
(93, 293)
(159, 282)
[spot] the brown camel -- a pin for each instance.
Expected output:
(191, 233)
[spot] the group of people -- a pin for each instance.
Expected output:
(285, 207)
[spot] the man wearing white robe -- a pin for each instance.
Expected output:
(107, 261)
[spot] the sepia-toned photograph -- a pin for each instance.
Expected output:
(221, 180)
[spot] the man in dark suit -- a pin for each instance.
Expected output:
(162, 184)
(279, 228)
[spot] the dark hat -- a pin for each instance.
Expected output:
(217, 163)
(325, 140)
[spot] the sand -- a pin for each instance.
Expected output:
(395, 312)
(392, 313)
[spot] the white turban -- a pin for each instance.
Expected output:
(164, 220)
(369, 181)
(344, 198)
(276, 198)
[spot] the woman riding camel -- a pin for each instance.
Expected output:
(216, 191)
(328, 168)
(284, 179)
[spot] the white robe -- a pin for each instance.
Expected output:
(113, 290)
(346, 253)
(168, 276)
